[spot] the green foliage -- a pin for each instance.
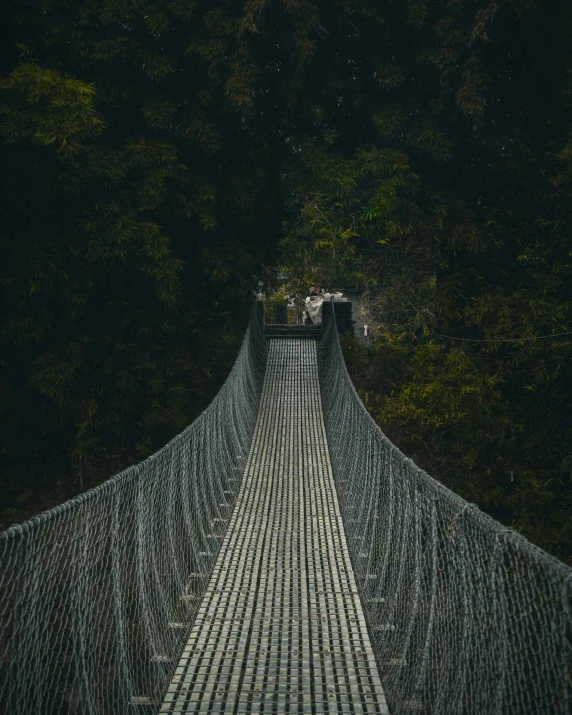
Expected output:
(127, 260)
(155, 152)
(46, 107)
(461, 416)
(453, 214)
(274, 306)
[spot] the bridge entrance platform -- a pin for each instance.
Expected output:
(281, 627)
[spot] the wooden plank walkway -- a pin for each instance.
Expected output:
(281, 628)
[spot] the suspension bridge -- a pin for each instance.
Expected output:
(280, 555)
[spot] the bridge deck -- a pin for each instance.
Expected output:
(281, 628)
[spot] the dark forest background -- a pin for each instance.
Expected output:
(160, 158)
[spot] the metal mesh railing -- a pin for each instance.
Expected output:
(465, 616)
(97, 596)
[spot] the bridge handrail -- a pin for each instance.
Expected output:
(466, 615)
(97, 595)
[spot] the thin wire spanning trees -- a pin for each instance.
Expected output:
(97, 596)
(466, 616)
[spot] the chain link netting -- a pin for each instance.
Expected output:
(97, 596)
(465, 615)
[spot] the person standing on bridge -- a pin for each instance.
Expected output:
(314, 307)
